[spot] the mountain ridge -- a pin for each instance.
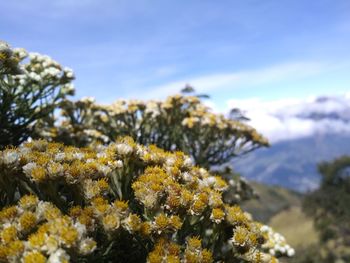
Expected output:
(293, 163)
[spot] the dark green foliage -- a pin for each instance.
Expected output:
(20, 109)
(329, 206)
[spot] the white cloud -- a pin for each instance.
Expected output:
(234, 80)
(291, 118)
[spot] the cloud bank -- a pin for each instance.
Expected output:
(292, 118)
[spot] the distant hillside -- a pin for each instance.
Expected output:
(271, 201)
(293, 163)
(281, 209)
(295, 226)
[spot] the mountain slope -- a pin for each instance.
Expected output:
(271, 201)
(293, 163)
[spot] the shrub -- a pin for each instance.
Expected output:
(329, 206)
(29, 92)
(180, 122)
(124, 201)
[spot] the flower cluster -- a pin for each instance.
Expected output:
(9, 62)
(178, 123)
(277, 244)
(30, 90)
(42, 70)
(37, 231)
(157, 202)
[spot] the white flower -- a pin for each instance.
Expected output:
(187, 177)
(55, 169)
(59, 157)
(170, 161)
(68, 72)
(51, 244)
(58, 256)
(118, 164)
(78, 156)
(290, 252)
(188, 162)
(68, 88)
(211, 180)
(87, 246)
(124, 149)
(33, 55)
(10, 157)
(34, 76)
(87, 100)
(104, 169)
(80, 228)
(264, 228)
(41, 208)
(22, 81)
(27, 169)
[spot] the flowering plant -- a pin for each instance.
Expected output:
(28, 92)
(119, 198)
(124, 200)
(179, 123)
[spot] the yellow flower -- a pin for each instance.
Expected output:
(198, 207)
(102, 184)
(235, 215)
(69, 235)
(186, 197)
(37, 240)
(217, 215)
(121, 206)
(75, 211)
(8, 213)
(207, 256)
(194, 243)
(34, 257)
(220, 184)
(101, 208)
(145, 229)
(86, 220)
(240, 236)
(191, 257)
(274, 260)
(27, 221)
(4, 251)
(28, 201)
(172, 259)
(161, 222)
(38, 174)
(173, 201)
(8, 234)
(174, 249)
(111, 222)
(15, 248)
(154, 257)
(175, 222)
(133, 222)
(51, 212)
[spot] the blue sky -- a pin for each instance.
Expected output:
(230, 49)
